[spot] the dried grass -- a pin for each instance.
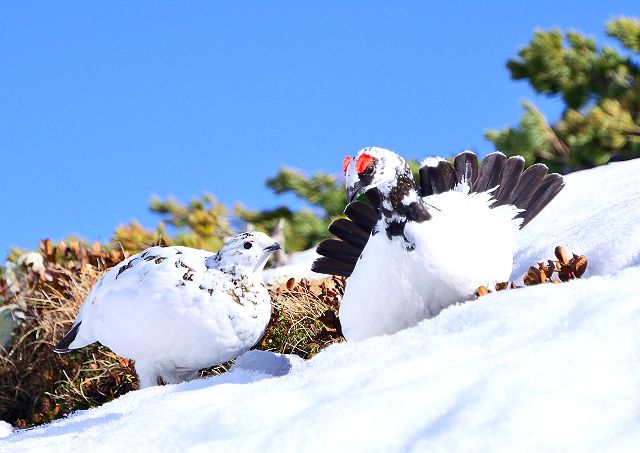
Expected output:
(305, 317)
(37, 385)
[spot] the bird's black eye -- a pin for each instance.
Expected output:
(248, 245)
(369, 170)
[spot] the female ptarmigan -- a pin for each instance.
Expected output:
(421, 248)
(176, 310)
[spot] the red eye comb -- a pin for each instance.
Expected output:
(363, 162)
(345, 163)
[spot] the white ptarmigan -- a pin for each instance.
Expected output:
(176, 310)
(421, 248)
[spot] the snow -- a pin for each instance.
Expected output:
(5, 429)
(597, 214)
(551, 367)
(299, 266)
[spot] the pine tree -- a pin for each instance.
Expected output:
(307, 226)
(202, 223)
(600, 89)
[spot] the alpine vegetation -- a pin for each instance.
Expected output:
(176, 310)
(422, 247)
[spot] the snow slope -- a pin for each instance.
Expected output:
(597, 214)
(552, 367)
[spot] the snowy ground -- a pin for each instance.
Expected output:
(552, 367)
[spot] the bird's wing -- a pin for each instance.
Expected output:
(339, 255)
(151, 271)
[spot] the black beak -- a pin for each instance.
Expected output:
(273, 248)
(354, 192)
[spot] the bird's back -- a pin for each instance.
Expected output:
(165, 303)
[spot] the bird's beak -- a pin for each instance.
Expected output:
(354, 192)
(273, 248)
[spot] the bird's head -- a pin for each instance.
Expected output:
(372, 168)
(246, 251)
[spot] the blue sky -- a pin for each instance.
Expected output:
(104, 104)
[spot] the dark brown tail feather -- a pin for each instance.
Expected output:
(441, 178)
(510, 175)
(550, 186)
(530, 190)
(490, 172)
(466, 165)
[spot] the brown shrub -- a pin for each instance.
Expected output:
(305, 317)
(37, 385)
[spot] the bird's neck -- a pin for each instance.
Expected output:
(235, 269)
(398, 203)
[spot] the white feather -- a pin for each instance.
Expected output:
(464, 245)
(431, 161)
(173, 315)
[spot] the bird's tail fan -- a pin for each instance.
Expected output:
(529, 190)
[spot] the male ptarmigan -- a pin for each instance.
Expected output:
(176, 310)
(421, 248)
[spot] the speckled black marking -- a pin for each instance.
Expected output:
(228, 270)
(124, 267)
(409, 246)
(178, 252)
(180, 263)
(399, 214)
(235, 298)
(181, 284)
(404, 186)
(204, 288)
(160, 259)
(365, 179)
(151, 257)
(188, 276)
(144, 254)
(395, 228)
(417, 212)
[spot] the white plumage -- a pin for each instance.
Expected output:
(392, 288)
(176, 310)
(426, 253)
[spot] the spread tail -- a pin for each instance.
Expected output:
(530, 191)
